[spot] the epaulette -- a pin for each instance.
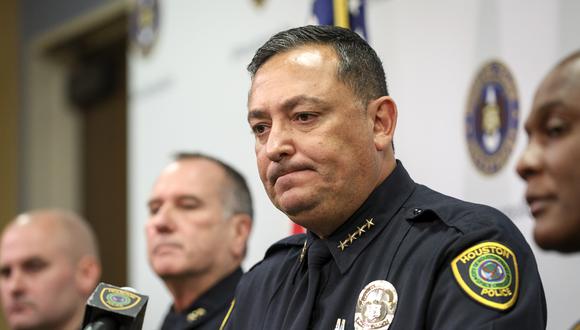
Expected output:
(461, 215)
(286, 243)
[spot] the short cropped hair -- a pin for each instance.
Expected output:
(359, 65)
(569, 59)
(237, 197)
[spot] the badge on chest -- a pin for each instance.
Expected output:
(376, 306)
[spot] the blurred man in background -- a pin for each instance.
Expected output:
(550, 164)
(200, 220)
(49, 266)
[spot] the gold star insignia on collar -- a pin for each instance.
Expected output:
(352, 237)
(196, 314)
(356, 234)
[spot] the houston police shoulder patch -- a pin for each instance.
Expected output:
(491, 118)
(488, 273)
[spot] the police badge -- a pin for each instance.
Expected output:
(376, 306)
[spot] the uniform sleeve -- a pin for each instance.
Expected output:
(490, 281)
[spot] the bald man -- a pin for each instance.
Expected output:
(550, 162)
(49, 265)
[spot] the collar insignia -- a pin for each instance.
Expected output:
(356, 234)
(196, 314)
(303, 252)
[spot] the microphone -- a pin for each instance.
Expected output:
(113, 308)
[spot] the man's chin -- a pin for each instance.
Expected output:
(168, 271)
(296, 209)
(295, 201)
(22, 322)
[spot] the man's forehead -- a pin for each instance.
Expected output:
(562, 84)
(294, 72)
(189, 177)
(309, 54)
(22, 245)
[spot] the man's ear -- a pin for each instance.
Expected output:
(88, 274)
(384, 118)
(241, 226)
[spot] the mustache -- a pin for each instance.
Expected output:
(277, 170)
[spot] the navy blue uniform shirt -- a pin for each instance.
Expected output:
(207, 312)
(408, 258)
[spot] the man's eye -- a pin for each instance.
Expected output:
(304, 116)
(4, 272)
(259, 129)
(35, 266)
(555, 127)
(188, 206)
(153, 210)
(555, 131)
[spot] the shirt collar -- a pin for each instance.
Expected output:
(350, 239)
(213, 300)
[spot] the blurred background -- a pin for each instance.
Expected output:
(96, 96)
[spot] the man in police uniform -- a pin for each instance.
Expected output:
(200, 220)
(324, 126)
(549, 164)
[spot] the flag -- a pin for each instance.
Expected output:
(344, 13)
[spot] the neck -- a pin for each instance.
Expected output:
(324, 223)
(72, 323)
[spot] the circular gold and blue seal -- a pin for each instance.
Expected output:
(488, 273)
(144, 24)
(492, 117)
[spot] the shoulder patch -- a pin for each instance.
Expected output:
(488, 273)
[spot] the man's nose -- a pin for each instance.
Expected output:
(16, 282)
(280, 142)
(163, 221)
(531, 161)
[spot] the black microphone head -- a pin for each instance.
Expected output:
(113, 308)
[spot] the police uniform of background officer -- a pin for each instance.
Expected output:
(207, 312)
(408, 235)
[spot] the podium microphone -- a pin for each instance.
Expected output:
(113, 308)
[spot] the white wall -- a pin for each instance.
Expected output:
(190, 94)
